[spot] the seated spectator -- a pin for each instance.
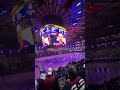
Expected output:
(75, 82)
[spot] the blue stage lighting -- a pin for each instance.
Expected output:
(78, 19)
(78, 4)
(79, 12)
(36, 30)
(75, 7)
(74, 23)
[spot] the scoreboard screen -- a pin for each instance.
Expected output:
(53, 35)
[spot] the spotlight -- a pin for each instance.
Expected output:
(78, 19)
(79, 12)
(78, 4)
(74, 23)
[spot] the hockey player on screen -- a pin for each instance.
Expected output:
(61, 39)
(45, 40)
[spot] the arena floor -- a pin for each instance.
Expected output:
(56, 61)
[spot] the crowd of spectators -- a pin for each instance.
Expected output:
(104, 53)
(70, 77)
(58, 51)
(12, 64)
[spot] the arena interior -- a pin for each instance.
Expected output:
(76, 40)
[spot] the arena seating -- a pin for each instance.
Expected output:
(16, 64)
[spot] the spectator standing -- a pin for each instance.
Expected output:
(40, 80)
(49, 81)
(60, 79)
(75, 82)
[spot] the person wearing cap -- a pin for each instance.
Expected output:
(40, 81)
(49, 81)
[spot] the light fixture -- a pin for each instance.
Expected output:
(79, 12)
(74, 23)
(78, 4)
(78, 19)
(36, 30)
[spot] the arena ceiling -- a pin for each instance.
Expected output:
(95, 15)
(71, 11)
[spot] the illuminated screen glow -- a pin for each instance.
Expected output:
(53, 35)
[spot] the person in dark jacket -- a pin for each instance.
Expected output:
(40, 81)
(75, 82)
(60, 79)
